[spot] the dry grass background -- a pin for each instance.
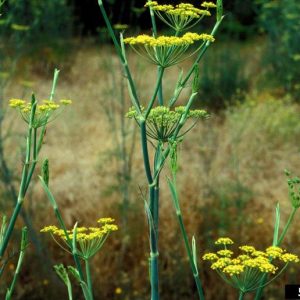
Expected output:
(231, 177)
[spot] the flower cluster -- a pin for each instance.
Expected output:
(89, 239)
(165, 51)
(168, 41)
(43, 112)
(163, 122)
(246, 269)
(182, 16)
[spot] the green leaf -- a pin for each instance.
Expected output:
(49, 194)
(276, 225)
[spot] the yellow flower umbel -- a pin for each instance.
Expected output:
(89, 240)
(246, 270)
(42, 114)
(182, 16)
(166, 51)
(162, 122)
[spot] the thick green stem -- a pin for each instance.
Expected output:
(154, 210)
(145, 152)
(88, 277)
(241, 295)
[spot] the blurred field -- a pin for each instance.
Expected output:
(230, 181)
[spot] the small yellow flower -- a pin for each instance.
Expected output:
(221, 263)
(106, 220)
(274, 252)
(247, 249)
(65, 101)
(288, 257)
(224, 241)
(209, 5)
(226, 253)
(210, 256)
(234, 269)
(118, 291)
(16, 103)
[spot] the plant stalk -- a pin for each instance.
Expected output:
(88, 277)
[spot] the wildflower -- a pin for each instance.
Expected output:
(234, 269)
(288, 257)
(162, 122)
(245, 271)
(165, 51)
(182, 16)
(210, 256)
(226, 253)
(209, 5)
(16, 103)
(247, 249)
(43, 113)
(274, 252)
(106, 220)
(89, 239)
(224, 241)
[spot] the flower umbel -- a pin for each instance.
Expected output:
(43, 113)
(166, 51)
(182, 16)
(245, 271)
(162, 122)
(89, 240)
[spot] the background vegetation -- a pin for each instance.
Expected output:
(233, 175)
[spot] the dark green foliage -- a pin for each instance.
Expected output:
(35, 27)
(280, 20)
(222, 78)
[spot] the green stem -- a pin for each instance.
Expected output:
(154, 206)
(88, 277)
(241, 295)
(154, 29)
(192, 259)
(20, 261)
(260, 291)
(199, 57)
(287, 225)
(34, 160)
(75, 256)
(159, 78)
(22, 190)
(145, 152)
(190, 256)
